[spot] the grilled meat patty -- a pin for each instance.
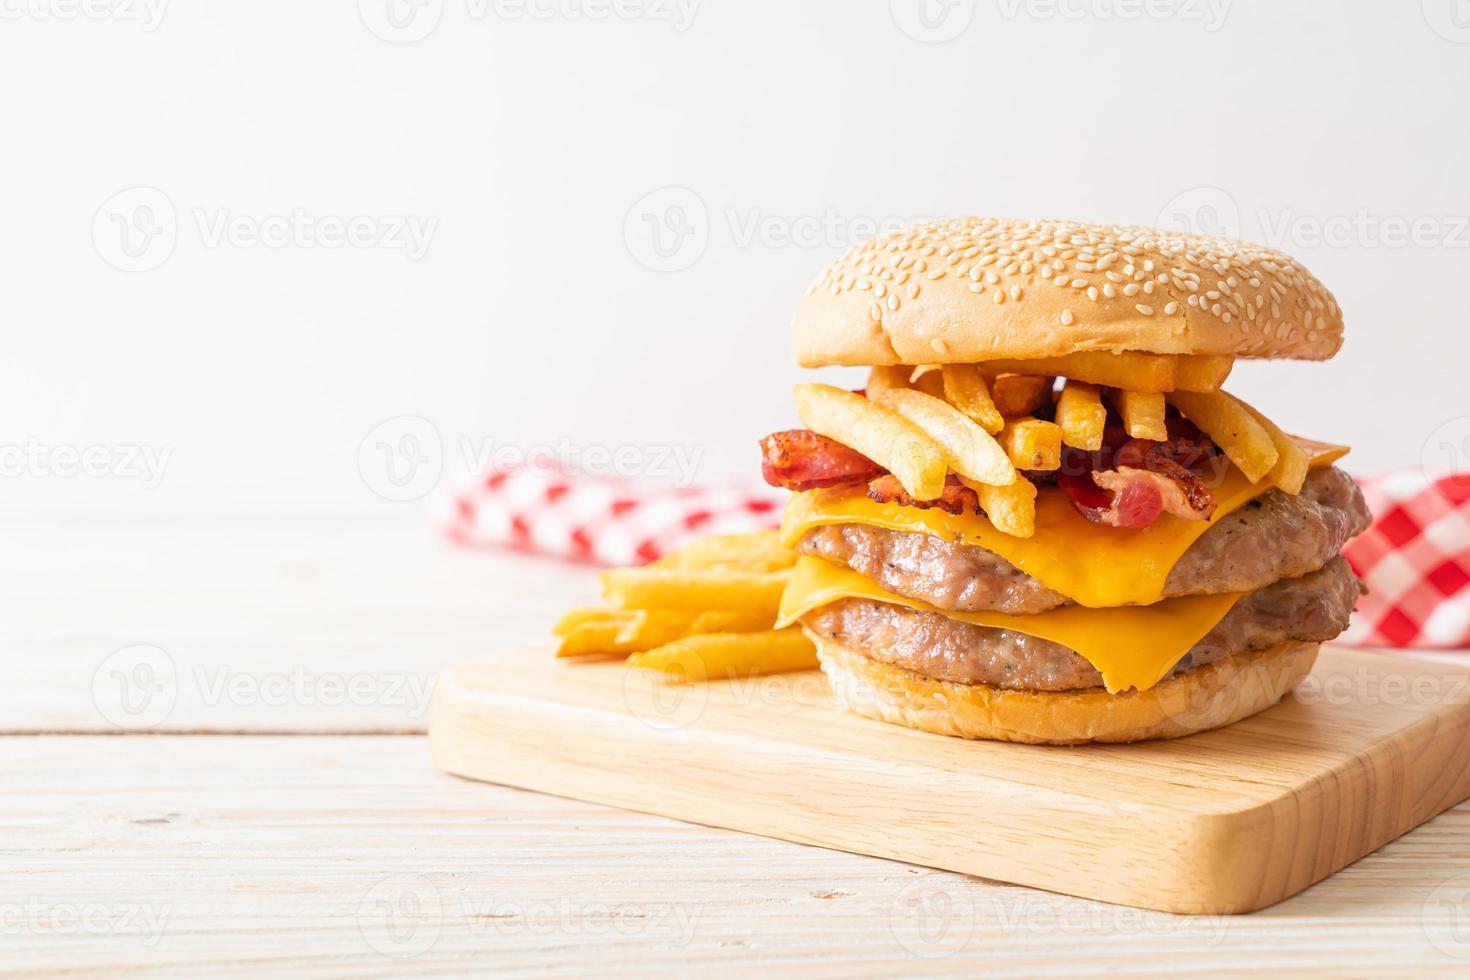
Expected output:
(1274, 536)
(1313, 608)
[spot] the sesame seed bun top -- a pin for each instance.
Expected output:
(975, 289)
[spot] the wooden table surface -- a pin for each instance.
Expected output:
(214, 764)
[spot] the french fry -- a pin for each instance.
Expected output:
(1011, 508)
(1233, 427)
(1133, 370)
(593, 638)
(1202, 372)
(620, 631)
(734, 621)
(881, 379)
(1020, 394)
(1032, 444)
(574, 618)
(1143, 414)
(760, 551)
(885, 437)
(1081, 415)
(652, 627)
(693, 588)
(1290, 471)
(965, 389)
(717, 655)
(969, 450)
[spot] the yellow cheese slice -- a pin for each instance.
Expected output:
(1131, 646)
(1092, 564)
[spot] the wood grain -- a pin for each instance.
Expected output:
(1224, 822)
(301, 856)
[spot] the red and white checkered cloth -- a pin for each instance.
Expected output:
(1415, 558)
(609, 521)
(1416, 562)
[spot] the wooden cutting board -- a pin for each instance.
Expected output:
(1223, 822)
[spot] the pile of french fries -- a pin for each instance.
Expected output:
(980, 422)
(703, 612)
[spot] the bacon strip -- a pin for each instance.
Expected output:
(956, 498)
(800, 459)
(1135, 496)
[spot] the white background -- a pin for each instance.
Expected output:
(527, 136)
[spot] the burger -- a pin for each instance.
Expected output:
(1043, 519)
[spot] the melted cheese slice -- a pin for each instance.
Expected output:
(1092, 564)
(1131, 646)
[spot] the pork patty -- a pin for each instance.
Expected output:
(1274, 536)
(1313, 608)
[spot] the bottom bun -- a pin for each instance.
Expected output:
(1196, 700)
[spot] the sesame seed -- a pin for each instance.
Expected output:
(999, 296)
(1171, 307)
(938, 346)
(1066, 318)
(1145, 310)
